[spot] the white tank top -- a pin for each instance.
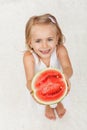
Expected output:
(54, 62)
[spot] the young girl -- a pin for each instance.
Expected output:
(44, 40)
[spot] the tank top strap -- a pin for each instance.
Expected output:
(54, 62)
(39, 65)
(36, 58)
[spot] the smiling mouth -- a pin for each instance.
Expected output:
(45, 51)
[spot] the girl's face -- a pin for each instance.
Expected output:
(43, 40)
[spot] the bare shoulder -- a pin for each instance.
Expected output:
(27, 54)
(27, 57)
(61, 50)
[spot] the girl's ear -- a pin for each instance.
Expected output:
(29, 43)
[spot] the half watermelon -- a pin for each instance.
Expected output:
(49, 86)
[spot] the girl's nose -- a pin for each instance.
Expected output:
(44, 44)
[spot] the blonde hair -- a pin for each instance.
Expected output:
(42, 19)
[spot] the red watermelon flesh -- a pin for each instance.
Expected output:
(49, 86)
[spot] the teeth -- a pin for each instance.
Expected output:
(44, 51)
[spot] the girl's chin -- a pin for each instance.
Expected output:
(45, 56)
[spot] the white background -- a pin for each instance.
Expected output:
(16, 110)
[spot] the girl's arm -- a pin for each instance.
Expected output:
(65, 64)
(28, 61)
(65, 61)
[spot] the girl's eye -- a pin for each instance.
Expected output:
(38, 41)
(50, 39)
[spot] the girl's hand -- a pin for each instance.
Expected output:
(32, 94)
(68, 83)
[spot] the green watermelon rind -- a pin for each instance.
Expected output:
(34, 90)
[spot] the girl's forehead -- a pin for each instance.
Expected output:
(42, 28)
